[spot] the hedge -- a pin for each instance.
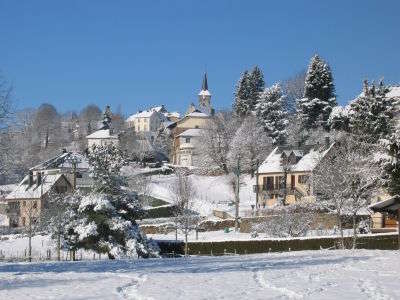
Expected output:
(382, 242)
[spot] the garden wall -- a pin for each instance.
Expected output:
(382, 242)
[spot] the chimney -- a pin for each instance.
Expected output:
(327, 142)
(30, 178)
(39, 178)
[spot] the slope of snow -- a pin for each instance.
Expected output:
(324, 275)
(212, 192)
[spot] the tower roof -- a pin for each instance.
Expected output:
(204, 87)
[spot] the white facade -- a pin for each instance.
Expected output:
(145, 121)
(189, 143)
(102, 137)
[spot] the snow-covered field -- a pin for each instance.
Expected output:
(360, 274)
(212, 192)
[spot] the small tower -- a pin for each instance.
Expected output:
(205, 97)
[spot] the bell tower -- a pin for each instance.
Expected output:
(205, 97)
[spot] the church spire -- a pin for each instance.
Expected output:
(204, 87)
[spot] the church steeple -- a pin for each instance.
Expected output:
(204, 87)
(205, 97)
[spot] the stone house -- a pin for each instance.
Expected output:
(285, 174)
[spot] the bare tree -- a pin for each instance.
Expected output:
(6, 153)
(186, 219)
(344, 181)
(47, 124)
(250, 143)
(89, 117)
(287, 221)
(216, 141)
(293, 88)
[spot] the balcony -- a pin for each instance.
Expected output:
(296, 191)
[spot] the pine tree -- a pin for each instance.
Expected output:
(272, 115)
(106, 216)
(248, 91)
(391, 165)
(107, 118)
(319, 94)
(257, 86)
(371, 113)
(241, 105)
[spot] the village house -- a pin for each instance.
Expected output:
(151, 120)
(60, 174)
(26, 202)
(284, 175)
(102, 137)
(188, 130)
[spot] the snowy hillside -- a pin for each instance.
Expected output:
(212, 192)
(325, 275)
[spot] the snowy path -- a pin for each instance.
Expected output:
(296, 275)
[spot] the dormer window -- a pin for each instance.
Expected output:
(187, 140)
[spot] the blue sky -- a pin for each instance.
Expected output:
(139, 53)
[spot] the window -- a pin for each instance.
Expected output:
(197, 126)
(23, 221)
(34, 204)
(187, 140)
(23, 203)
(268, 183)
(303, 179)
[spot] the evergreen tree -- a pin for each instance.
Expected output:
(248, 91)
(272, 115)
(241, 105)
(391, 165)
(371, 113)
(107, 118)
(319, 94)
(257, 86)
(106, 216)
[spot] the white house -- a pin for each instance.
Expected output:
(102, 137)
(189, 142)
(146, 121)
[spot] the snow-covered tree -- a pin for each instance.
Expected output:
(57, 217)
(272, 115)
(346, 179)
(293, 88)
(286, 221)
(248, 90)
(107, 118)
(251, 144)
(339, 118)
(390, 161)
(371, 113)
(319, 94)
(216, 141)
(185, 218)
(257, 85)
(241, 104)
(108, 214)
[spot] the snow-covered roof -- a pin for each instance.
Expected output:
(394, 92)
(307, 162)
(7, 188)
(102, 134)
(24, 191)
(204, 93)
(142, 114)
(64, 161)
(174, 114)
(192, 132)
(197, 114)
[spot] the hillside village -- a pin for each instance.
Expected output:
(199, 150)
(260, 170)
